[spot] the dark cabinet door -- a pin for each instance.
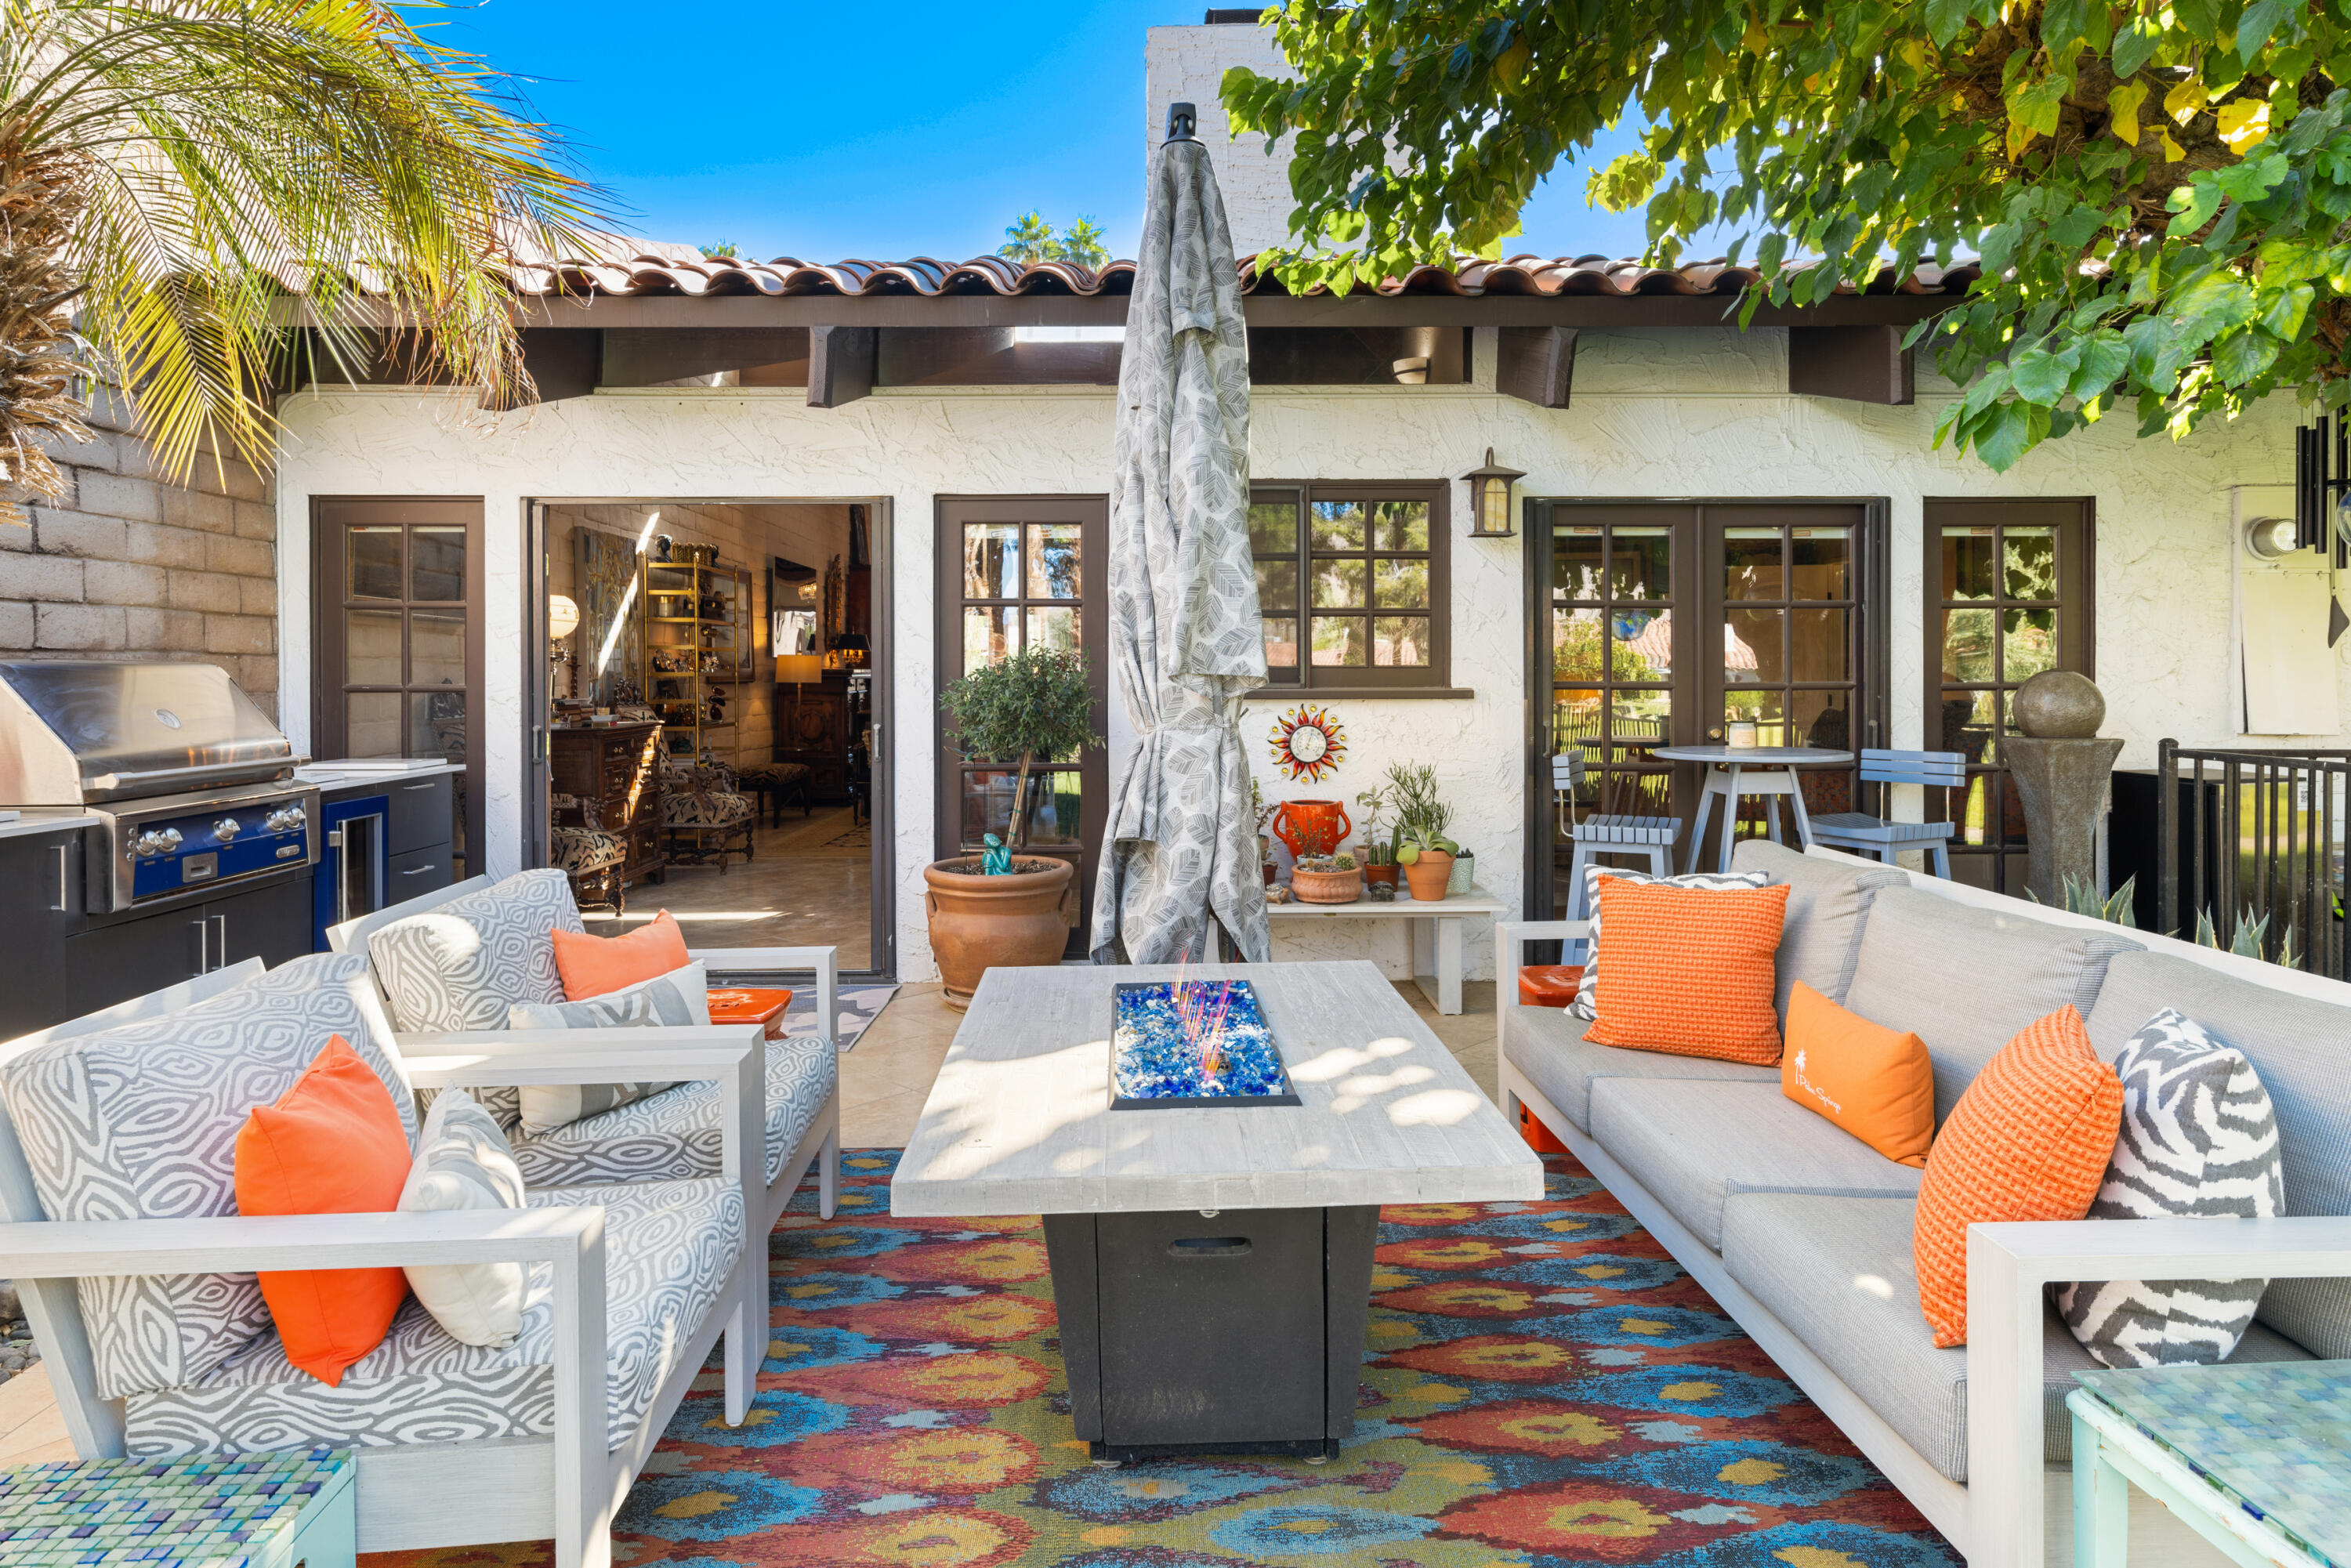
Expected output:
(272, 924)
(415, 874)
(40, 902)
(125, 958)
(421, 813)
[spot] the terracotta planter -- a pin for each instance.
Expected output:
(980, 922)
(1383, 875)
(1327, 886)
(1428, 874)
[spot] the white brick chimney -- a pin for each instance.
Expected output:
(1187, 64)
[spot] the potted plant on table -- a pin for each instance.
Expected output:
(1036, 706)
(1377, 852)
(1422, 848)
(1327, 879)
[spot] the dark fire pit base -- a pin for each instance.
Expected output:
(1208, 1331)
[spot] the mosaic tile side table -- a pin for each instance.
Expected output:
(2255, 1458)
(247, 1511)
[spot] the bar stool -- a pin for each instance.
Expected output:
(1864, 835)
(1605, 835)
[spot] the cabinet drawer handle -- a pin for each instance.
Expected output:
(64, 896)
(411, 787)
(419, 870)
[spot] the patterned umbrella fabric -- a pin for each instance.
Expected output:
(1186, 640)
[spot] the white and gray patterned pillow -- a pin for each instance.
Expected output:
(671, 1000)
(140, 1122)
(1586, 1004)
(463, 1162)
(2199, 1138)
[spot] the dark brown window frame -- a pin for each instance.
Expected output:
(330, 597)
(1432, 680)
(2076, 520)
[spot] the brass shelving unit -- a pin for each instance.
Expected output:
(697, 616)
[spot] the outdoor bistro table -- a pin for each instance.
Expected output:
(1212, 1265)
(1736, 770)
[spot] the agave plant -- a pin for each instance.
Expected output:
(186, 183)
(2082, 896)
(2250, 938)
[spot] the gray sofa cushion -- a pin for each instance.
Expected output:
(1828, 901)
(1965, 979)
(1693, 1145)
(1836, 1271)
(2302, 1049)
(140, 1122)
(1547, 1044)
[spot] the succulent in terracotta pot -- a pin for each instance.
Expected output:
(1421, 846)
(1326, 879)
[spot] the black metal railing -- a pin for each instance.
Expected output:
(2253, 840)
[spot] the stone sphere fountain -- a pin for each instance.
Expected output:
(2064, 772)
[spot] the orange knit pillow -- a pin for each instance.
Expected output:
(2029, 1140)
(1689, 971)
(1873, 1082)
(599, 966)
(332, 1144)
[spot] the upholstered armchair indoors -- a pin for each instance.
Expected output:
(704, 813)
(118, 1180)
(583, 852)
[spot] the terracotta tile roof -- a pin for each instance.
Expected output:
(680, 271)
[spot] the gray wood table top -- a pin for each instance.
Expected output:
(1019, 1121)
(1753, 756)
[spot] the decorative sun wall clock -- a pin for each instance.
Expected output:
(1308, 744)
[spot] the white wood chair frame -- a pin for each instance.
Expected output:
(2013, 1511)
(763, 1202)
(567, 1485)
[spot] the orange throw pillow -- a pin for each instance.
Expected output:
(1696, 976)
(1873, 1082)
(599, 966)
(2029, 1140)
(332, 1144)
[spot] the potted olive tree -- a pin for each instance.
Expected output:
(1029, 711)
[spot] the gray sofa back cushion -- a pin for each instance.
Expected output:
(140, 1122)
(2302, 1049)
(1965, 979)
(1828, 902)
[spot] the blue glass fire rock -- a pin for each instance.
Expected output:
(1167, 1033)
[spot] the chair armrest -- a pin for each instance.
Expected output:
(733, 1056)
(59, 1249)
(2009, 1268)
(825, 961)
(1510, 936)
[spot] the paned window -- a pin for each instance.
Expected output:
(1350, 581)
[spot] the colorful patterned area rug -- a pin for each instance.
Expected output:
(1542, 1386)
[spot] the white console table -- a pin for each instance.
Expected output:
(1432, 927)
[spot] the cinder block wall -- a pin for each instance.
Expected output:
(127, 565)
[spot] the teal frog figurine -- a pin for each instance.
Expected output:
(997, 859)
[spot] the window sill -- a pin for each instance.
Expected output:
(1358, 694)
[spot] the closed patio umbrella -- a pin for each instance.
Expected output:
(1185, 636)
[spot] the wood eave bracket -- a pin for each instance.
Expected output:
(1535, 364)
(842, 364)
(1858, 363)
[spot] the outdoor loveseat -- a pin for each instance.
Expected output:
(1803, 1234)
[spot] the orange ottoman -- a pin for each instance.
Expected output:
(1549, 985)
(743, 1005)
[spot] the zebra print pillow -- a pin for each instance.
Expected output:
(2198, 1137)
(1587, 990)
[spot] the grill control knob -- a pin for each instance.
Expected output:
(285, 819)
(226, 828)
(154, 842)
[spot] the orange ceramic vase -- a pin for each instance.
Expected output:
(1310, 827)
(979, 923)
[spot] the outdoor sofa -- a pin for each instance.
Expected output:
(1803, 1234)
(645, 1226)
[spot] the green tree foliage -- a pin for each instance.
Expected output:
(1031, 240)
(2157, 189)
(1037, 704)
(174, 174)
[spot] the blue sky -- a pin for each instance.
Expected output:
(883, 131)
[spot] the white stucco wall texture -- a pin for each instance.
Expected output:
(1682, 414)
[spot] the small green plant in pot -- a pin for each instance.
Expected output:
(1421, 846)
(1379, 852)
(1034, 707)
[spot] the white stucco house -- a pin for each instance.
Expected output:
(1712, 523)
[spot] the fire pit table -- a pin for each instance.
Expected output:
(1211, 1251)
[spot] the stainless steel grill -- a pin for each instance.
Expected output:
(188, 785)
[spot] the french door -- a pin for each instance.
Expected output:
(397, 624)
(1657, 624)
(1024, 572)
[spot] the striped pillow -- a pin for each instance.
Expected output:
(2198, 1137)
(676, 1000)
(1586, 1003)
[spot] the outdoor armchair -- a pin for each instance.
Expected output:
(121, 1125)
